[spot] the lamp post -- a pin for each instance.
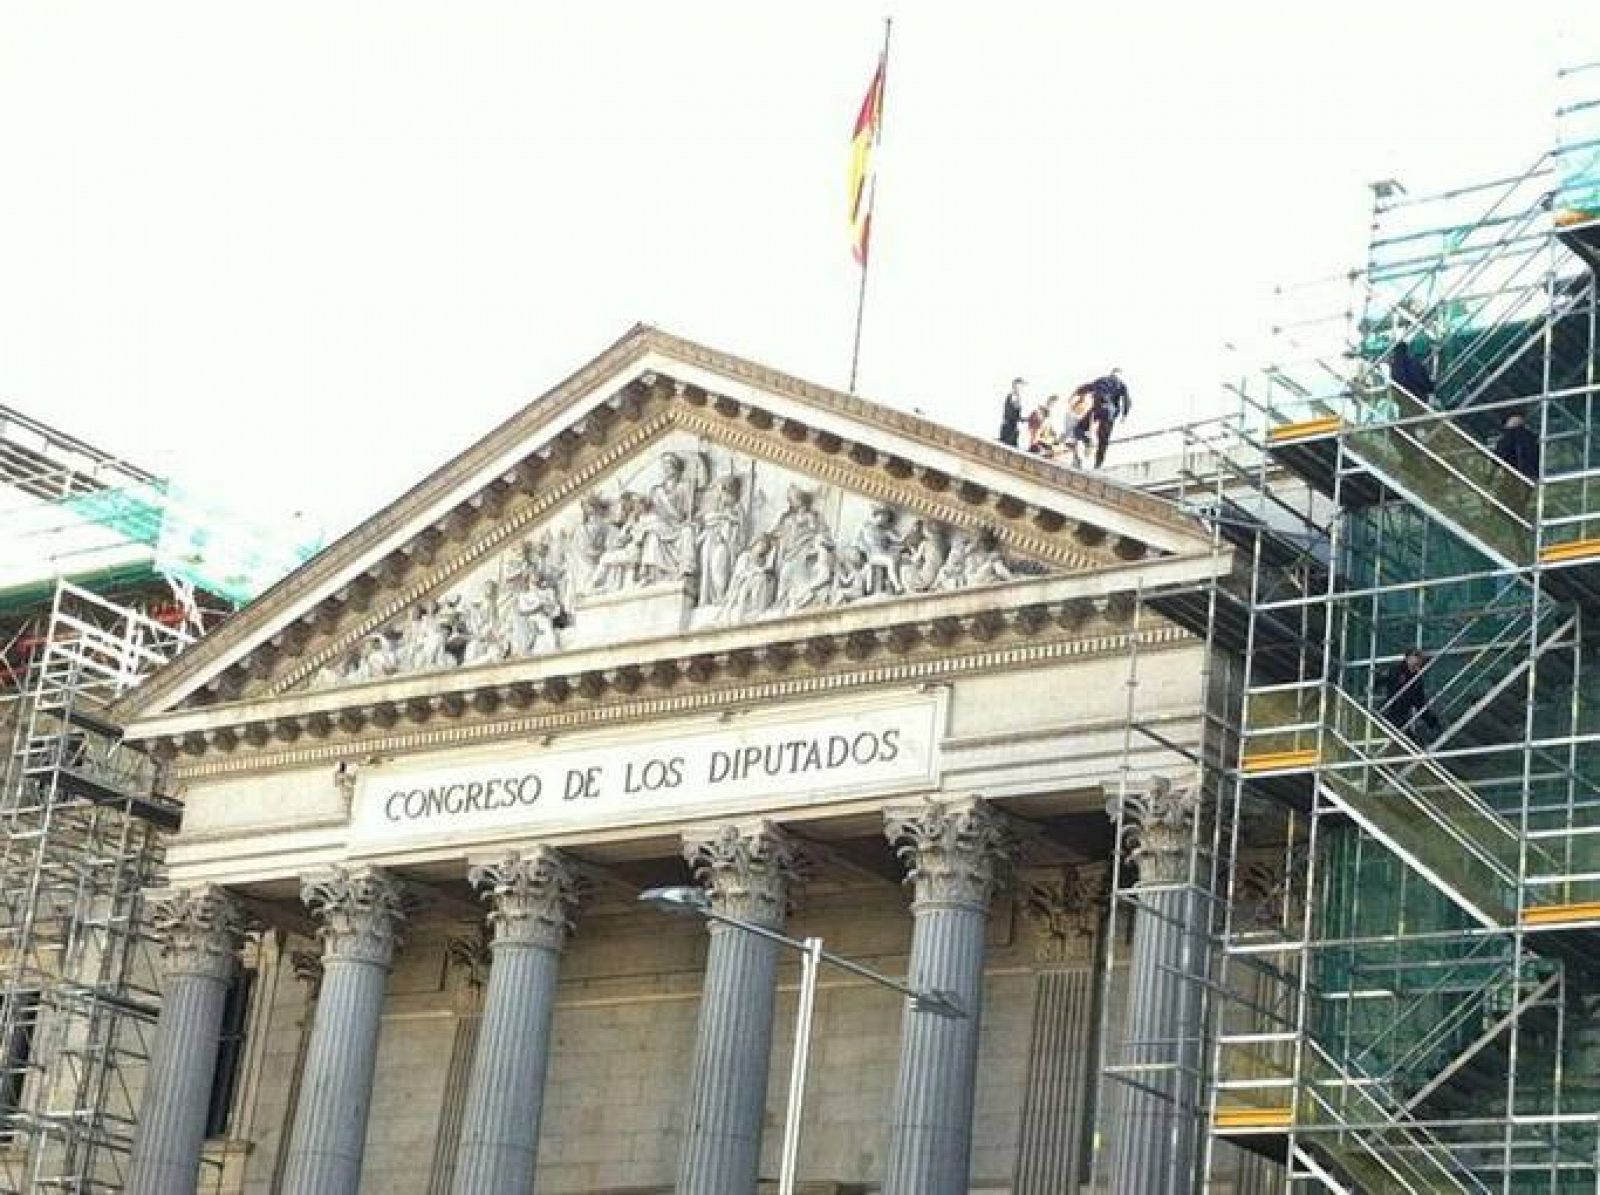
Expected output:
(690, 901)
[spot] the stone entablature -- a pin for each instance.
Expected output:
(924, 637)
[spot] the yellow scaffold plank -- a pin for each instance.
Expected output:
(1562, 914)
(1255, 1118)
(1576, 549)
(1306, 429)
(1572, 217)
(1271, 761)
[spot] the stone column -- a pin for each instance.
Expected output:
(534, 894)
(360, 910)
(956, 854)
(748, 869)
(1155, 1130)
(200, 930)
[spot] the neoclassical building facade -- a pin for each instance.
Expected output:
(683, 620)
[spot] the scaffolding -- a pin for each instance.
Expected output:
(81, 834)
(106, 572)
(69, 509)
(1415, 1009)
(1389, 975)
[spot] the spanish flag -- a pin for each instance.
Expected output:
(868, 125)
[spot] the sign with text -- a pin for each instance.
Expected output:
(888, 747)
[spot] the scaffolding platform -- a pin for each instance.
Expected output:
(1423, 1011)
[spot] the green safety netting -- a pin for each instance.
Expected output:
(195, 540)
(1578, 143)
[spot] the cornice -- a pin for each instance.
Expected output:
(589, 714)
(325, 568)
(539, 505)
(289, 618)
(917, 429)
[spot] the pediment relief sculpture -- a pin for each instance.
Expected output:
(693, 537)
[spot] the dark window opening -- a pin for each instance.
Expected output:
(230, 1053)
(17, 1056)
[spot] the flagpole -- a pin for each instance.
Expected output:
(872, 197)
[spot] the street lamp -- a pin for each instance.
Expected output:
(696, 902)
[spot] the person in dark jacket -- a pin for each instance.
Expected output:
(1406, 696)
(1407, 371)
(1111, 402)
(1517, 446)
(1011, 414)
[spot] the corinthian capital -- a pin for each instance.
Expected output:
(1064, 908)
(200, 931)
(956, 853)
(748, 868)
(1158, 821)
(360, 909)
(534, 893)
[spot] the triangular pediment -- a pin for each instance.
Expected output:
(666, 490)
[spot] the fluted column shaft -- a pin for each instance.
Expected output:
(955, 853)
(1153, 1147)
(200, 932)
(360, 911)
(533, 894)
(748, 870)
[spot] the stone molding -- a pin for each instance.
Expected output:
(360, 908)
(201, 931)
(750, 868)
(932, 669)
(1158, 824)
(957, 853)
(534, 893)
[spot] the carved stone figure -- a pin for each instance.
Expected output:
(666, 532)
(486, 629)
(618, 564)
(754, 584)
(699, 525)
(849, 578)
(379, 660)
(796, 532)
(535, 611)
(925, 548)
(721, 539)
(423, 645)
(584, 548)
(532, 559)
(816, 587)
(986, 563)
(879, 541)
(953, 573)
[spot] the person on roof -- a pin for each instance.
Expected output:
(1109, 402)
(1043, 438)
(1407, 370)
(1011, 414)
(1517, 445)
(1406, 696)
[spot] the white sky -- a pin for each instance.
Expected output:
(299, 253)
